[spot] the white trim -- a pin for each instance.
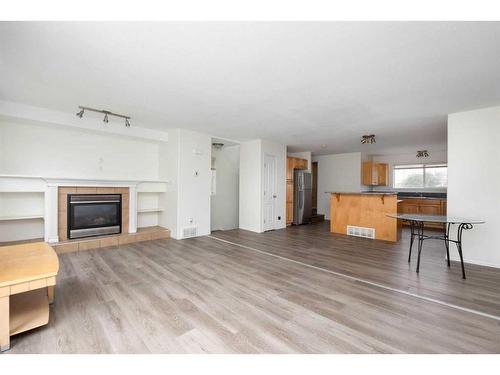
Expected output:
(94, 181)
(132, 209)
(51, 214)
(455, 258)
(11, 110)
(149, 210)
(22, 217)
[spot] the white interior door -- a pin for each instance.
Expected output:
(269, 191)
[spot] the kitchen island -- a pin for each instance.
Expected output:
(365, 214)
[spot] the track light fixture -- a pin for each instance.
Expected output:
(106, 114)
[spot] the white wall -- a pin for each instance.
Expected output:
(435, 156)
(337, 172)
(303, 155)
(66, 152)
(56, 150)
(250, 215)
(194, 180)
(47, 151)
(169, 170)
(474, 181)
(225, 203)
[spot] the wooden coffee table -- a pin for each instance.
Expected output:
(27, 279)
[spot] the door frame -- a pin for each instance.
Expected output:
(272, 225)
(314, 175)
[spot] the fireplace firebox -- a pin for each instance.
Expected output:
(94, 215)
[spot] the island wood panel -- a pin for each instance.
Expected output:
(369, 211)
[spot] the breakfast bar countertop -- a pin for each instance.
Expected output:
(361, 193)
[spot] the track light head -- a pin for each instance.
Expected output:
(80, 114)
(105, 118)
(127, 123)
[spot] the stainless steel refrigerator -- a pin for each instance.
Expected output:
(302, 197)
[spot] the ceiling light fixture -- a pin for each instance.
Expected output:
(368, 139)
(106, 114)
(217, 145)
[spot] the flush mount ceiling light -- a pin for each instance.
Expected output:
(423, 154)
(217, 145)
(106, 114)
(368, 139)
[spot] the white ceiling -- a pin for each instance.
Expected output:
(302, 84)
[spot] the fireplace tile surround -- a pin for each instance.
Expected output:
(63, 205)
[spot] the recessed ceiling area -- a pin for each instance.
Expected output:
(298, 83)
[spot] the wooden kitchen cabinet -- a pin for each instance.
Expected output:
(375, 174)
(423, 207)
(291, 164)
(289, 168)
(300, 163)
(382, 174)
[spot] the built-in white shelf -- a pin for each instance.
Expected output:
(22, 191)
(21, 217)
(143, 210)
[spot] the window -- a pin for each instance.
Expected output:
(420, 176)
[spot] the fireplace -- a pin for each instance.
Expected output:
(94, 215)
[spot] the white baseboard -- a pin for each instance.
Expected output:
(476, 262)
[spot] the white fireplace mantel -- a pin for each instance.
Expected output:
(51, 197)
(51, 200)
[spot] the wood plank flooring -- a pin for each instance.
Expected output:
(383, 262)
(205, 296)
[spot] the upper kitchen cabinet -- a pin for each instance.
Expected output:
(375, 174)
(289, 167)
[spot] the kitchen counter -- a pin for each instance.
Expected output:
(416, 194)
(361, 193)
(411, 197)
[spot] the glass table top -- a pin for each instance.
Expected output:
(436, 219)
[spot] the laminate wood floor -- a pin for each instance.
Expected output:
(205, 296)
(383, 263)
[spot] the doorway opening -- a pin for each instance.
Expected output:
(225, 187)
(314, 187)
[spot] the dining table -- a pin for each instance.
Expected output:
(417, 226)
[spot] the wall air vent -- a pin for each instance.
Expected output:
(188, 232)
(361, 232)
